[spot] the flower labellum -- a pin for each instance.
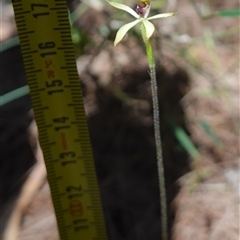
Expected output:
(143, 8)
(139, 10)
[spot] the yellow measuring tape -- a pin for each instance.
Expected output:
(50, 67)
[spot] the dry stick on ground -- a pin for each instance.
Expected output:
(32, 185)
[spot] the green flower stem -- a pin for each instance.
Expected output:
(156, 118)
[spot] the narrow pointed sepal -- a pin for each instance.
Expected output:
(123, 30)
(124, 8)
(162, 15)
(149, 28)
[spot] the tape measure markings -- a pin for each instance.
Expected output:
(63, 131)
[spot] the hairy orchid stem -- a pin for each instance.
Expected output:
(156, 119)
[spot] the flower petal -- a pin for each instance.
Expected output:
(125, 8)
(149, 28)
(123, 30)
(162, 15)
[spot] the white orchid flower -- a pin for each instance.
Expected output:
(141, 15)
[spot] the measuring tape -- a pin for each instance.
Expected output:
(50, 66)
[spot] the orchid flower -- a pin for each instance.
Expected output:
(141, 15)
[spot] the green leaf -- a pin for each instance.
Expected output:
(207, 128)
(229, 13)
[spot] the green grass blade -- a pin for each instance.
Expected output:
(13, 95)
(229, 13)
(207, 128)
(185, 141)
(12, 42)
